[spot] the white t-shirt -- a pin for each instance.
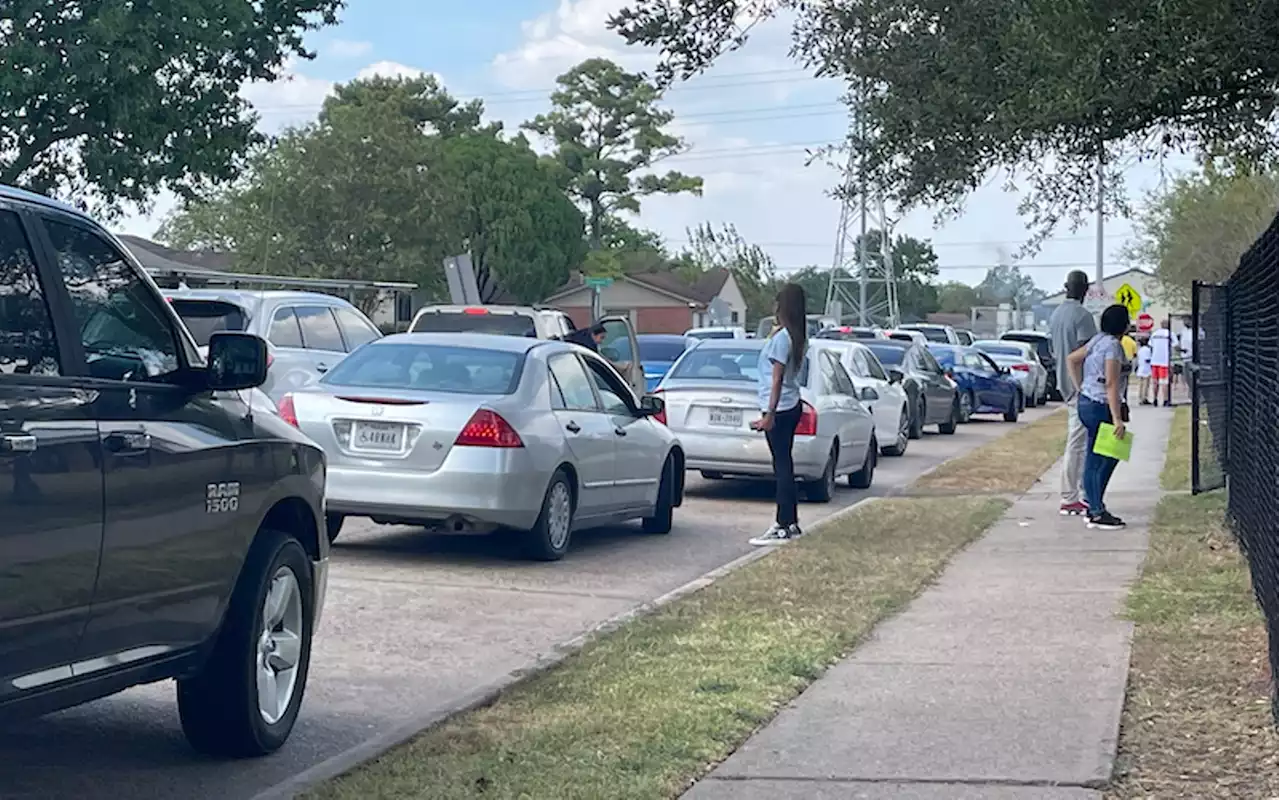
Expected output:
(1144, 361)
(1185, 342)
(1160, 346)
(778, 349)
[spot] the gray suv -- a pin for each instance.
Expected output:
(308, 332)
(154, 526)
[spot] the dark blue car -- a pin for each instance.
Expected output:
(658, 351)
(983, 386)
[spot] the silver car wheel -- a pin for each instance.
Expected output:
(966, 406)
(559, 514)
(904, 429)
(279, 645)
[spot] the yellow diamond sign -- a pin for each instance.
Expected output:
(1128, 297)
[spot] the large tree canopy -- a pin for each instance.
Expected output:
(951, 91)
(116, 99)
(608, 131)
(393, 178)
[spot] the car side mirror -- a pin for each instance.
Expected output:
(236, 361)
(868, 394)
(896, 376)
(651, 405)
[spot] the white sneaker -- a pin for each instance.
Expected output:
(775, 535)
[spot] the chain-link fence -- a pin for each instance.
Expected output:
(1210, 385)
(1243, 442)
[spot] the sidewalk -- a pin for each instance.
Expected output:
(1004, 681)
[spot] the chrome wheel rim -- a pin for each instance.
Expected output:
(966, 406)
(904, 428)
(279, 646)
(559, 512)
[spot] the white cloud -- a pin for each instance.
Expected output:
(347, 48)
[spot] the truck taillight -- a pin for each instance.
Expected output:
(808, 424)
(487, 428)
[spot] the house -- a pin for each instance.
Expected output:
(656, 301)
(1143, 282)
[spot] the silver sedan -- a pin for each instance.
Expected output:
(1023, 364)
(710, 395)
(471, 433)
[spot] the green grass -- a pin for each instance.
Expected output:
(1197, 720)
(1008, 465)
(644, 710)
(1176, 475)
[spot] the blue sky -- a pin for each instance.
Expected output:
(748, 123)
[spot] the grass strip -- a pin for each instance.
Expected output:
(1008, 465)
(1197, 718)
(644, 710)
(1176, 475)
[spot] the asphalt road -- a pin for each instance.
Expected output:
(413, 622)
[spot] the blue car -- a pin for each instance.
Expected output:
(658, 351)
(982, 385)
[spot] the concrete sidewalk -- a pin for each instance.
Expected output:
(1004, 681)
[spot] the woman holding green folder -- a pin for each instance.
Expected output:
(1099, 370)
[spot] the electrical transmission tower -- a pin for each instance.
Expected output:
(861, 285)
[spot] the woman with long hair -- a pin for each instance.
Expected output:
(1100, 370)
(778, 388)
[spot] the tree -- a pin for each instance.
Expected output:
(957, 298)
(1008, 284)
(118, 99)
(380, 190)
(1198, 228)
(915, 266)
(814, 281)
(607, 131)
(1041, 87)
(752, 268)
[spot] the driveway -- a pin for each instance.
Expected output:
(412, 623)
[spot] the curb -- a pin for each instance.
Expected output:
(489, 693)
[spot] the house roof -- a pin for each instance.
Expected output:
(1057, 296)
(154, 255)
(663, 282)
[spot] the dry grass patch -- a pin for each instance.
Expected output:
(1008, 465)
(1197, 720)
(641, 712)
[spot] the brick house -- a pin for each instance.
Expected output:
(655, 302)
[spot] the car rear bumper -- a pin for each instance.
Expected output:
(742, 455)
(460, 501)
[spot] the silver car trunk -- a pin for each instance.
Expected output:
(405, 430)
(711, 406)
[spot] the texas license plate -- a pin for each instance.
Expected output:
(725, 417)
(380, 437)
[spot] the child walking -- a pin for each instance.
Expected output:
(1143, 371)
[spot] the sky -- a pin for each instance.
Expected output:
(748, 123)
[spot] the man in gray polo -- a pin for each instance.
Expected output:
(1070, 327)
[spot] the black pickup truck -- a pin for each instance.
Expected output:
(152, 525)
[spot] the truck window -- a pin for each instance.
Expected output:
(204, 318)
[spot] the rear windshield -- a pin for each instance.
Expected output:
(845, 336)
(888, 355)
(932, 334)
(717, 364)
(204, 318)
(945, 356)
(462, 322)
(429, 367)
(1041, 344)
(660, 349)
(1003, 350)
(710, 335)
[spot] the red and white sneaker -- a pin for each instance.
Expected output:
(1073, 509)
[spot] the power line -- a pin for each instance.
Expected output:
(931, 242)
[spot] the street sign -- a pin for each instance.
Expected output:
(1146, 323)
(1128, 297)
(597, 283)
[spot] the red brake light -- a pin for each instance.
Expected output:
(286, 411)
(1022, 367)
(661, 416)
(808, 424)
(270, 359)
(475, 311)
(488, 429)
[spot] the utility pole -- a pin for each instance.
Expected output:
(1099, 250)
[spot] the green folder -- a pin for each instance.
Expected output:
(1108, 445)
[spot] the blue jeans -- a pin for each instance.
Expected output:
(1097, 469)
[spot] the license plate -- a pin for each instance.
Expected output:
(725, 417)
(381, 437)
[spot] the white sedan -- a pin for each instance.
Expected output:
(888, 401)
(710, 402)
(1023, 364)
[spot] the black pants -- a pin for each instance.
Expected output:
(781, 438)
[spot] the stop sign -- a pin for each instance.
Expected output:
(1145, 322)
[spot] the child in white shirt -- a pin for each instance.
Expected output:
(1143, 371)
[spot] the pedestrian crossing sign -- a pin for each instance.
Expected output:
(1128, 297)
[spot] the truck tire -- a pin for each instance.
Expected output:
(263, 645)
